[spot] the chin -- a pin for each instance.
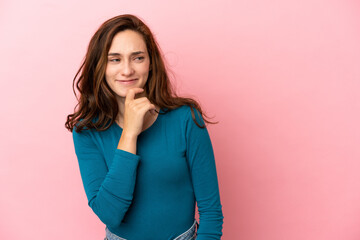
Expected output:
(123, 93)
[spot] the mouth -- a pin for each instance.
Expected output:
(127, 82)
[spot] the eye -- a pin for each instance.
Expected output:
(114, 60)
(138, 59)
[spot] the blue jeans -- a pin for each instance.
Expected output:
(189, 234)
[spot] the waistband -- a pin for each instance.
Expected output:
(187, 235)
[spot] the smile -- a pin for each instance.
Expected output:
(127, 82)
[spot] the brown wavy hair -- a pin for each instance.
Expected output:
(98, 101)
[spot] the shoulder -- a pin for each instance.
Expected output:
(187, 115)
(91, 137)
(85, 131)
(84, 135)
(182, 112)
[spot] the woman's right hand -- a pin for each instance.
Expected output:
(135, 111)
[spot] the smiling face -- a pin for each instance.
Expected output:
(128, 62)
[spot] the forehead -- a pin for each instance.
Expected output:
(126, 42)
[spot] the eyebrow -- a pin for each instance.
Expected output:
(132, 54)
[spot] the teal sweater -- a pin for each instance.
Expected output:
(151, 195)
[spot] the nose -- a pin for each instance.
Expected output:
(127, 69)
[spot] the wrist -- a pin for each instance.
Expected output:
(127, 142)
(129, 135)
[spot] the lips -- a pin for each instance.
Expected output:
(127, 82)
(130, 80)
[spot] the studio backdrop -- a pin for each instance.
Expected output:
(281, 77)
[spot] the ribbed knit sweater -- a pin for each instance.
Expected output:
(151, 195)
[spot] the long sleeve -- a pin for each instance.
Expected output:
(204, 177)
(109, 191)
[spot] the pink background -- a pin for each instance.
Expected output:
(282, 77)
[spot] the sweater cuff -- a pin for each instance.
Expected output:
(128, 155)
(124, 165)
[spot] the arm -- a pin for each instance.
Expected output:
(203, 172)
(109, 191)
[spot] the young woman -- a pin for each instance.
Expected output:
(144, 154)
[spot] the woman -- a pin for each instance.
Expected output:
(144, 154)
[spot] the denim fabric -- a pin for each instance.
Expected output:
(190, 234)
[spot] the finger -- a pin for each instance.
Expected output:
(153, 111)
(131, 93)
(141, 100)
(145, 107)
(144, 101)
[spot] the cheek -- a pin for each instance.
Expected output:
(145, 72)
(109, 73)
(144, 69)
